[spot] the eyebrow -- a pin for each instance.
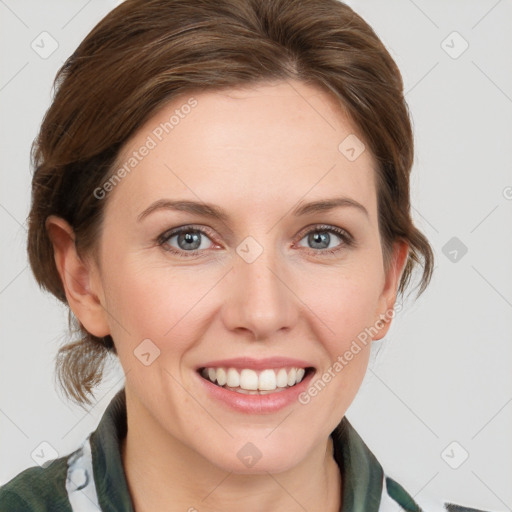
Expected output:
(215, 212)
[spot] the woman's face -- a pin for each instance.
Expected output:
(257, 281)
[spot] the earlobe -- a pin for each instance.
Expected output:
(77, 278)
(387, 299)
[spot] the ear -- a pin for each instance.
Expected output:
(80, 278)
(387, 298)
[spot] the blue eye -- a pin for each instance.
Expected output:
(188, 240)
(320, 238)
(191, 241)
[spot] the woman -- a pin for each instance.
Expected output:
(221, 197)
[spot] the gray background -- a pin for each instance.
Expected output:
(442, 374)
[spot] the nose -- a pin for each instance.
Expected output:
(260, 297)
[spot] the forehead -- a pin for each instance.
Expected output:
(252, 146)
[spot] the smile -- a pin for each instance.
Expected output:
(253, 382)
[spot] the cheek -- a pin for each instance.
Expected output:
(343, 306)
(344, 301)
(347, 315)
(159, 304)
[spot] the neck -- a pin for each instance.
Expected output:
(163, 474)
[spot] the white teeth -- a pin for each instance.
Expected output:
(221, 376)
(282, 378)
(292, 377)
(250, 382)
(233, 378)
(267, 380)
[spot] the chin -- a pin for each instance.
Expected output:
(258, 457)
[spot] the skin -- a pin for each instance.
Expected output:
(256, 152)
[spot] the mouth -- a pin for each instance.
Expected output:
(249, 381)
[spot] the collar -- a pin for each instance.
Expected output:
(362, 475)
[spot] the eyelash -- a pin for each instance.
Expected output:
(347, 239)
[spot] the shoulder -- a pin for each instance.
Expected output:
(37, 489)
(426, 503)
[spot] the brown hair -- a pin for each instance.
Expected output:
(146, 52)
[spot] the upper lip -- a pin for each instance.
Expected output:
(257, 364)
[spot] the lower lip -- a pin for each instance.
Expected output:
(256, 404)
